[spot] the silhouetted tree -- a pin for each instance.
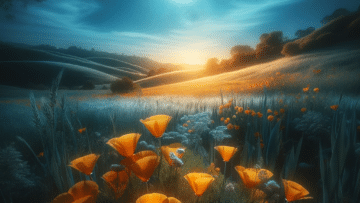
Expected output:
(212, 66)
(339, 12)
(239, 49)
(270, 45)
(122, 85)
(303, 33)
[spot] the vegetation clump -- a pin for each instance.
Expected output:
(122, 85)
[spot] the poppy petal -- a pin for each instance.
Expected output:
(294, 191)
(199, 182)
(63, 198)
(83, 189)
(173, 200)
(153, 198)
(117, 181)
(125, 144)
(157, 124)
(252, 177)
(226, 152)
(85, 164)
(145, 167)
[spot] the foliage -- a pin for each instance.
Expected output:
(122, 85)
(303, 33)
(239, 49)
(15, 173)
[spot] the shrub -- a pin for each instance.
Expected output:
(122, 85)
(291, 49)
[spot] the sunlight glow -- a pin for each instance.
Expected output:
(192, 57)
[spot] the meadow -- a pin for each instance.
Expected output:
(309, 138)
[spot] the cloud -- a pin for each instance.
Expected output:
(139, 28)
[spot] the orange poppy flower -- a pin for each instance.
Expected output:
(173, 200)
(270, 117)
(258, 195)
(316, 89)
(227, 105)
(276, 113)
(143, 164)
(253, 113)
(212, 121)
(269, 111)
(257, 134)
(41, 154)
(157, 124)
(234, 116)
(226, 152)
(240, 109)
(306, 89)
(252, 177)
(85, 164)
(222, 119)
(83, 191)
(247, 112)
(117, 181)
(294, 191)
(185, 125)
(199, 182)
(81, 130)
(167, 150)
(226, 121)
(259, 114)
(303, 109)
(236, 127)
(125, 144)
(152, 198)
(190, 131)
(334, 107)
(229, 126)
(282, 111)
(221, 107)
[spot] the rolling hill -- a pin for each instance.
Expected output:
(332, 69)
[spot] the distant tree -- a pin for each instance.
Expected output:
(212, 66)
(339, 12)
(303, 33)
(45, 47)
(122, 85)
(270, 45)
(239, 49)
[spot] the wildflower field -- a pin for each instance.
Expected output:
(269, 147)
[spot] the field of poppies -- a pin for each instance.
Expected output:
(234, 148)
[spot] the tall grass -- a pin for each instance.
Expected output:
(58, 119)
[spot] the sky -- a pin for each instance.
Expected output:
(167, 31)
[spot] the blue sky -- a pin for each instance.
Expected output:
(169, 31)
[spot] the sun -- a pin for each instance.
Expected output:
(191, 57)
